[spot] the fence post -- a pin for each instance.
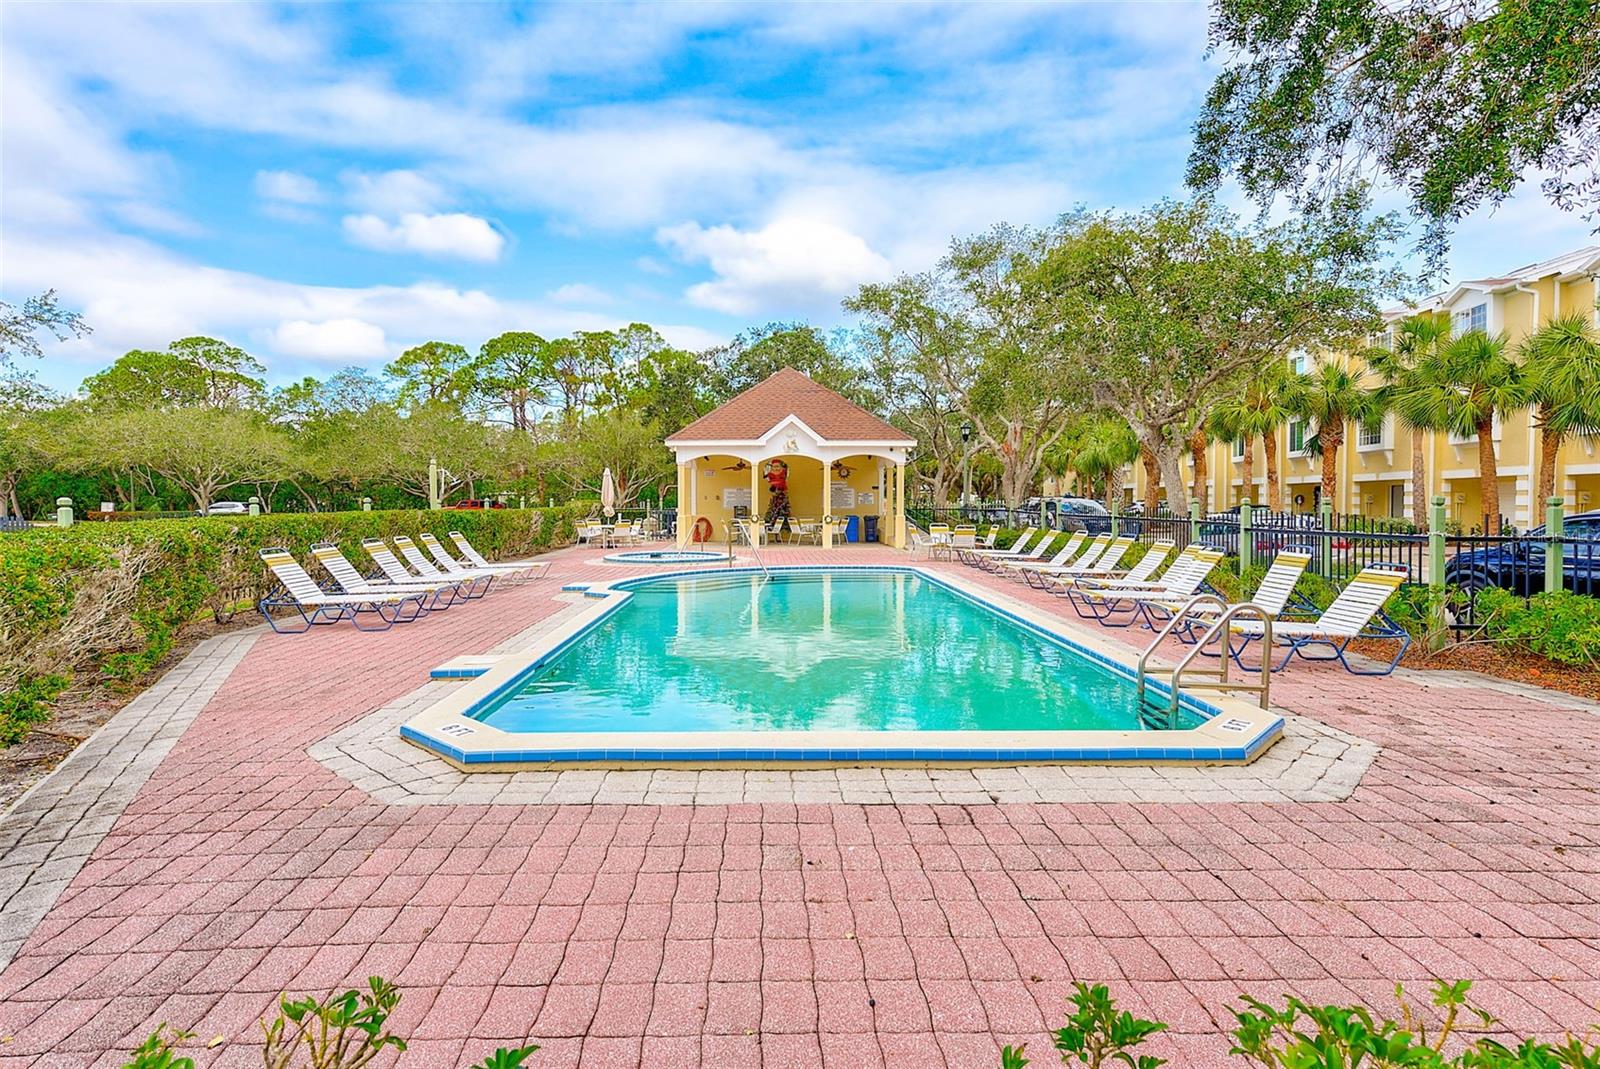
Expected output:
(255, 505)
(1246, 539)
(1114, 524)
(1436, 522)
(63, 512)
(366, 504)
(1554, 566)
(1325, 518)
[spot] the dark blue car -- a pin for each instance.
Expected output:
(1517, 564)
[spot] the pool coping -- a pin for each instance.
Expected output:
(1236, 732)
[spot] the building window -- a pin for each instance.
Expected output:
(1474, 318)
(1472, 439)
(1238, 449)
(1298, 363)
(1297, 437)
(1370, 435)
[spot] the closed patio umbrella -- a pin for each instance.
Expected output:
(608, 493)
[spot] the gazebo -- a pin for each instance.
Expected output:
(789, 441)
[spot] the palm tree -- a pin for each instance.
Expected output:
(1562, 362)
(1413, 342)
(1461, 388)
(1103, 451)
(1330, 397)
(1257, 411)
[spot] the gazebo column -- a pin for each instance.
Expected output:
(827, 505)
(756, 527)
(685, 504)
(899, 506)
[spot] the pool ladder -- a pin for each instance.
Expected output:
(750, 536)
(1218, 630)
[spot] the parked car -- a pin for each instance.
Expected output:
(1083, 514)
(228, 508)
(1517, 564)
(477, 503)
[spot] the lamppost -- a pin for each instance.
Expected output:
(966, 463)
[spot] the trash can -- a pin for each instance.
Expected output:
(870, 529)
(852, 529)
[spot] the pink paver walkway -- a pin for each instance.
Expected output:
(789, 936)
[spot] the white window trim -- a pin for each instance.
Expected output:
(1385, 437)
(1289, 438)
(1472, 439)
(1237, 449)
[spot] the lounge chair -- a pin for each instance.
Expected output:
(1102, 556)
(301, 592)
(1064, 579)
(1271, 597)
(1106, 598)
(1035, 552)
(440, 595)
(1017, 549)
(378, 550)
(1073, 544)
(476, 559)
(428, 570)
(509, 569)
(1356, 613)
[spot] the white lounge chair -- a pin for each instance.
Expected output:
(1063, 579)
(428, 570)
(300, 592)
(476, 559)
(510, 570)
(1105, 599)
(1061, 556)
(441, 595)
(396, 572)
(977, 554)
(1356, 613)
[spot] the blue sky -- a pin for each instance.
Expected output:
(328, 184)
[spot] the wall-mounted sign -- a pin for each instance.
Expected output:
(866, 497)
(843, 497)
(736, 496)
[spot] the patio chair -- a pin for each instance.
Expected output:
(1036, 551)
(474, 559)
(1272, 597)
(298, 591)
(1104, 599)
(1066, 553)
(1356, 613)
(1016, 549)
(1105, 566)
(440, 595)
(512, 571)
(469, 586)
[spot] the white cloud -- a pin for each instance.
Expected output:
(792, 263)
(580, 293)
(456, 235)
(392, 192)
(347, 340)
(288, 187)
(652, 266)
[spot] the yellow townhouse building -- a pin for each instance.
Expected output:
(1374, 468)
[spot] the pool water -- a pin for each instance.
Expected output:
(799, 652)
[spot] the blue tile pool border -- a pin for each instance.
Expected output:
(1159, 749)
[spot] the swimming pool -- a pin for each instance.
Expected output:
(842, 664)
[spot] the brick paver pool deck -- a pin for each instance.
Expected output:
(771, 934)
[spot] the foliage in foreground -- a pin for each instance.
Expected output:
(1298, 1035)
(347, 1030)
(1557, 624)
(108, 601)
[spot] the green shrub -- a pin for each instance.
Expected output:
(1558, 624)
(111, 600)
(1302, 1036)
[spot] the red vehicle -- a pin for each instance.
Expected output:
(477, 503)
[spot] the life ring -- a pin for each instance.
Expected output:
(702, 530)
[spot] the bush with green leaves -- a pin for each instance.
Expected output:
(108, 601)
(1557, 624)
(346, 1030)
(1299, 1035)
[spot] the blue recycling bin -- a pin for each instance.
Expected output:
(852, 529)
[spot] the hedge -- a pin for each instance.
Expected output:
(106, 602)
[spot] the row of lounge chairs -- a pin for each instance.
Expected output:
(1089, 573)
(397, 590)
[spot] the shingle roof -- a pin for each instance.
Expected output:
(751, 415)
